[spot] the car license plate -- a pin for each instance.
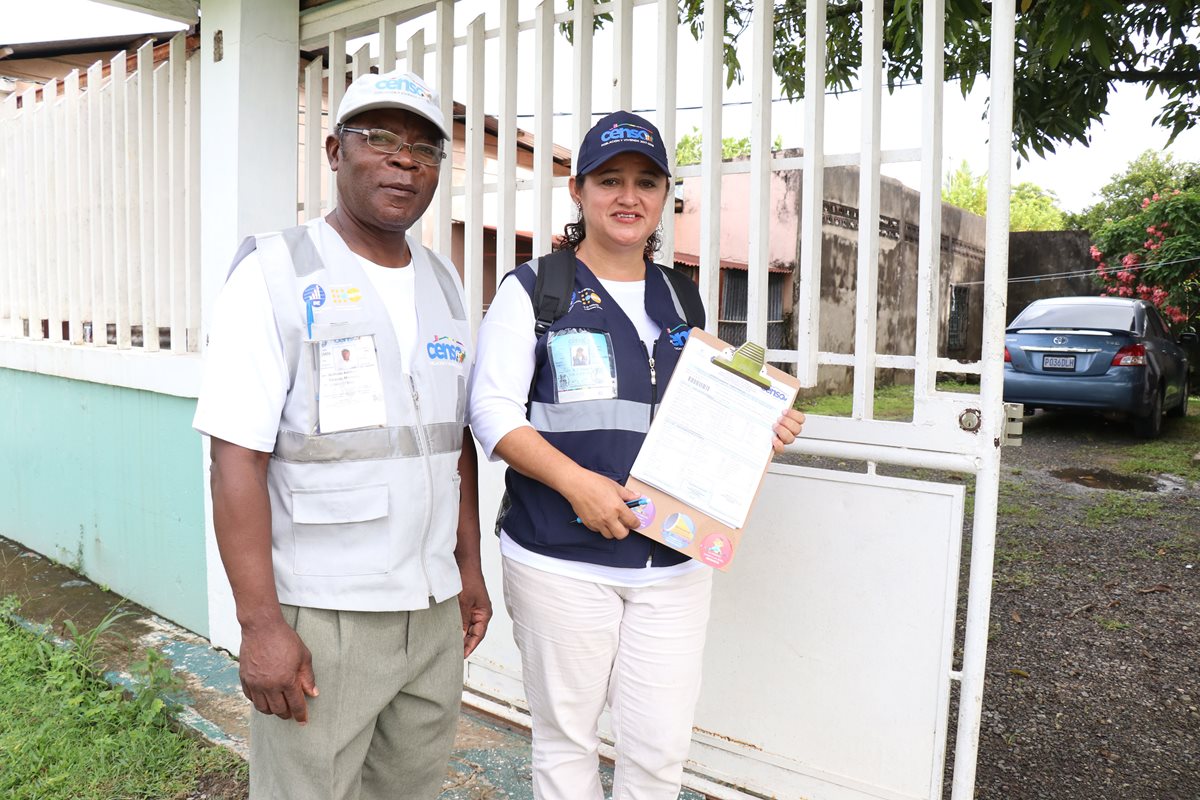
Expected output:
(1058, 362)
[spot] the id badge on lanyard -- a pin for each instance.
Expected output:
(583, 365)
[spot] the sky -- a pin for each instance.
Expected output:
(1075, 173)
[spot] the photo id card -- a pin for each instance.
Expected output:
(583, 365)
(350, 387)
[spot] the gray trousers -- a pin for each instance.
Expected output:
(383, 726)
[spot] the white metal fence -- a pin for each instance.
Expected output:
(99, 215)
(768, 750)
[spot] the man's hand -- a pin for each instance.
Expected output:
(276, 671)
(475, 607)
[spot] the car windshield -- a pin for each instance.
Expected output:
(1074, 315)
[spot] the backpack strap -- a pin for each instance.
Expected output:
(553, 288)
(686, 295)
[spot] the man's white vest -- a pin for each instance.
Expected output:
(365, 520)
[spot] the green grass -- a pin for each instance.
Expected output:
(1172, 452)
(1113, 508)
(1020, 579)
(891, 402)
(1015, 506)
(1111, 624)
(1185, 546)
(65, 733)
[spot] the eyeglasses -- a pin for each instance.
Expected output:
(387, 142)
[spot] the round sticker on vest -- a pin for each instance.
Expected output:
(716, 550)
(678, 531)
(644, 513)
(314, 295)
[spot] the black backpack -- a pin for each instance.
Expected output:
(556, 282)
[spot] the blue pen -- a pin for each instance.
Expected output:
(641, 501)
(308, 309)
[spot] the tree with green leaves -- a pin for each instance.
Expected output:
(691, 146)
(1031, 208)
(1154, 254)
(1070, 55)
(1148, 174)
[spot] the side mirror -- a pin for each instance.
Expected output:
(1189, 338)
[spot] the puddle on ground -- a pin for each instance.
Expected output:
(1104, 479)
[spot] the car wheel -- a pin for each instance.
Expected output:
(1150, 426)
(1181, 409)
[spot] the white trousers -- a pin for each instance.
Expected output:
(639, 649)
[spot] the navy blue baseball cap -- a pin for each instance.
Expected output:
(620, 132)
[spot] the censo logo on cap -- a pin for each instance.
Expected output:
(404, 85)
(627, 132)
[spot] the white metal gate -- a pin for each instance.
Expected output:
(831, 663)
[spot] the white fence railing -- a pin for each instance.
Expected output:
(99, 216)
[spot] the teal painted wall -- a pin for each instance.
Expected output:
(108, 481)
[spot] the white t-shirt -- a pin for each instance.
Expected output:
(500, 380)
(246, 374)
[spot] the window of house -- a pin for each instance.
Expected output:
(731, 322)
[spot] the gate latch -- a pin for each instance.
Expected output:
(1014, 425)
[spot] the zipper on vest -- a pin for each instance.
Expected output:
(653, 378)
(423, 446)
(653, 402)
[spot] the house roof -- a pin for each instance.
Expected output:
(42, 62)
(693, 260)
(57, 64)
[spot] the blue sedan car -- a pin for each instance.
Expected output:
(1106, 354)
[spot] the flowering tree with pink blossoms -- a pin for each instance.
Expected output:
(1155, 255)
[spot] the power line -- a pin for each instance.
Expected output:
(828, 93)
(1085, 272)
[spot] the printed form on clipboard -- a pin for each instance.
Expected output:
(710, 443)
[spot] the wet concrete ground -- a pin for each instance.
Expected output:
(490, 760)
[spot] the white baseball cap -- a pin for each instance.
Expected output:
(394, 89)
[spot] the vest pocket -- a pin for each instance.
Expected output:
(552, 526)
(341, 532)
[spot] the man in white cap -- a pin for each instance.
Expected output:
(344, 488)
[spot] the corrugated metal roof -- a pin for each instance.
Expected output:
(693, 260)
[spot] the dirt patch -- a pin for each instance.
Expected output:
(1093, 667)
(220, 786)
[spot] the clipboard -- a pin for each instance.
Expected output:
(673, 522)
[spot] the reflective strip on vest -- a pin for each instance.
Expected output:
(305, 258)
(590, 415)
(366, 445)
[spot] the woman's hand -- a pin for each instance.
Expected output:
(786, 429)
(599, 502)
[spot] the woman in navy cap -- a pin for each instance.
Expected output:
(600, 614)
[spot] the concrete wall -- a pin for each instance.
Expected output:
(107, 480)
(963, 239)
(1034, 253)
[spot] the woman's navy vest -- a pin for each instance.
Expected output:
(603, 435)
